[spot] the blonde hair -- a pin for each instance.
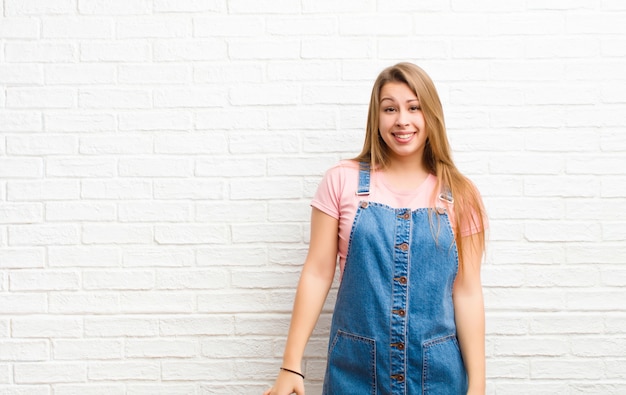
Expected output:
(437, 157)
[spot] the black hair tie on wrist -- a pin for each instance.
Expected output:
(293, 371)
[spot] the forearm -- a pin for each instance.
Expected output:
(310, 296)
(469, 311)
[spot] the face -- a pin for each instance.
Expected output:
(401, 124)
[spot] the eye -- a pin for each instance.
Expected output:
(415, 108)
(389, 109)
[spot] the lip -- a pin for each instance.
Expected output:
(407, 135)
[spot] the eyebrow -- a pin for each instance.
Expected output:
(389, 98)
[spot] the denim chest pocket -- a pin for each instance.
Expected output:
(443, 372)
(351, 365)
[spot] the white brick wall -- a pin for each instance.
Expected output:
(157, 159)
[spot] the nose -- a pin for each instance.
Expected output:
(401, 120)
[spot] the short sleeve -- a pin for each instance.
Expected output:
(473, 224)
(327, 196)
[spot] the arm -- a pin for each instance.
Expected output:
(315, 281)
(469, 310)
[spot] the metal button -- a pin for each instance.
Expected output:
(403, 246)
(399, 346)
(401, 280)
(400, 312)
(364, 204)
(406, 215)
(441, 210)
(398, 377)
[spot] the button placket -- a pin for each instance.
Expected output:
(400, 300)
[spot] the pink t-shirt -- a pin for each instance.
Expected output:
(336, 196)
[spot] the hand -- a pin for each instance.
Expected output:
(286, 384)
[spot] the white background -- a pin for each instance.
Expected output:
(158, 157)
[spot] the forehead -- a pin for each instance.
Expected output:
(395, 90)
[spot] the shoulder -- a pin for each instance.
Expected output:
(344, 166)
(343, 171)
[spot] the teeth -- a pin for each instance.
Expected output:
(404, 136)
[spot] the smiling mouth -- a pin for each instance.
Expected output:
(403, 135)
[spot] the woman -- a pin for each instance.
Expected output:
(409, 231)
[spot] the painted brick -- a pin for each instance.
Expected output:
(92, 256)
(185, 50)
(230, 212)
(346, 48)
(40, 52)
(20, 167)
(328, 6)
(192, 370)
(114, 7)
(88, 211)
(41, 145)
(43, 235)
(23, 303)
(237, 119)
(154, 73)
(145, 370)
(155, 302)
(151, 120)
(305, 26)
(47, 327)
(153, 27)
(20, 213)
(121, 280)
(115, 188)
(248, 49)
(154, 212)
(231, 26)
(43, 281)
(24, 350)
(117, 233)
(228, 72)
(189, 5)
(161, 348)
(86, 349)
(196, 325)
(73, 27)
(191, 279)
(114, 51)
(192, 188)
(230, 167)
(16, 121)
(40, 98)
(81, 167)
(39, 7)
(205, 143)
(19, 27)
(114, 144)
(89, 389)
(121, 326)
(79, 122)
(84, 303)
(21, 258)
(79, 74)
(158, 257)
(49, 372)
(114, 98)
(155, 167)
(191, 234)
(13, 74)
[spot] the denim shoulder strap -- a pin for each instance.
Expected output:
(364, 179)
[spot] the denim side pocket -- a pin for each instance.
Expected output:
(351, 365)
(444, 372)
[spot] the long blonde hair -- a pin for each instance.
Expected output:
(437, 158)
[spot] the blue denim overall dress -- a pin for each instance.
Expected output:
(393, 329)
